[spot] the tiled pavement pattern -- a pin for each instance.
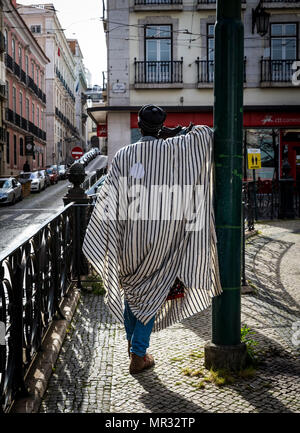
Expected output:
(91, 374)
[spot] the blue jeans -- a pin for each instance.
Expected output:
(137, 333)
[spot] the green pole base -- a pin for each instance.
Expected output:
(231, 358)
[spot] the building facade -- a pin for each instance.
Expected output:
(25, 64)
(2, 92)
(162, 52)
(62, 133)
(80, 96)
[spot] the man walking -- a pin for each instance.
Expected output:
(26, 167)
(151, 235)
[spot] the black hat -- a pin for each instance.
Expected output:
(151, 117)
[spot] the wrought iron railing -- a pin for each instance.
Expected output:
(157, 2)
(158, 72)
(9, 61)
(34, 278)
(205, 70)
(283, 1)
(26, 125)
(206, 2)
(279, 71)
(265, 199)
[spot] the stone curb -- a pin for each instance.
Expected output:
(40, 371)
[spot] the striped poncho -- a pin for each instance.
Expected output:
(141, 237)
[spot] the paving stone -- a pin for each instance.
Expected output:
(91, 374)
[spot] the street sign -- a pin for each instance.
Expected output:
(77, 152)
(102, 130)
(254, 159)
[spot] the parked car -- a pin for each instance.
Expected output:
(53, 175)
(10, 190)
(62, 171)
(47, 178)
(37, 180)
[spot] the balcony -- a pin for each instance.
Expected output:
(281, 4)
(23, 76)
(276, 73)
(24, 124)
(2, 43)
(158, 5)
(211, 4)
(158, 74)
(2, 135)
(205, 72)
(2, 91)
(9, 62)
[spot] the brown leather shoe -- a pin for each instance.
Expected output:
(140, 363)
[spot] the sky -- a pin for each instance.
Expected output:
(81, 20)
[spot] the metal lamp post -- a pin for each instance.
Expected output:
(225, 350)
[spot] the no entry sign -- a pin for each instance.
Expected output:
(77, 152)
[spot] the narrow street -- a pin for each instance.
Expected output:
(19, 221)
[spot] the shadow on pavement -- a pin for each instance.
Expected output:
(159, 398)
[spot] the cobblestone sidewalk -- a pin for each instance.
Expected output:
(91, 374)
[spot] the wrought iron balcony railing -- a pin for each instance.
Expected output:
(157, 2)
(158, 72)
(276, 71)
(9, 61)
(207, 2)
(205, 70)
(23, 76)
(283, 1)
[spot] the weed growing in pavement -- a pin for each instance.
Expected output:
(94, 285)
(250, 344)
(192, 367)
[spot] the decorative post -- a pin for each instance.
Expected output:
(225, 350)
(81, 200)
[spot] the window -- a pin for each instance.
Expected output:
(21, 146)
(32, 113)
(37, 77)
(26, 65)
(210, 51)
(14, 95)
(21, 104)
(7, 92)
(35, 29)
(283, 50)
(283, 41)
(158, 53)
(27, 109)
(15, 149)
(7, 148)
(32, 70)
(6, 39)
(20, 57)
(38, 116)
(13, 49)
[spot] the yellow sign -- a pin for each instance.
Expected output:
(254, 159)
